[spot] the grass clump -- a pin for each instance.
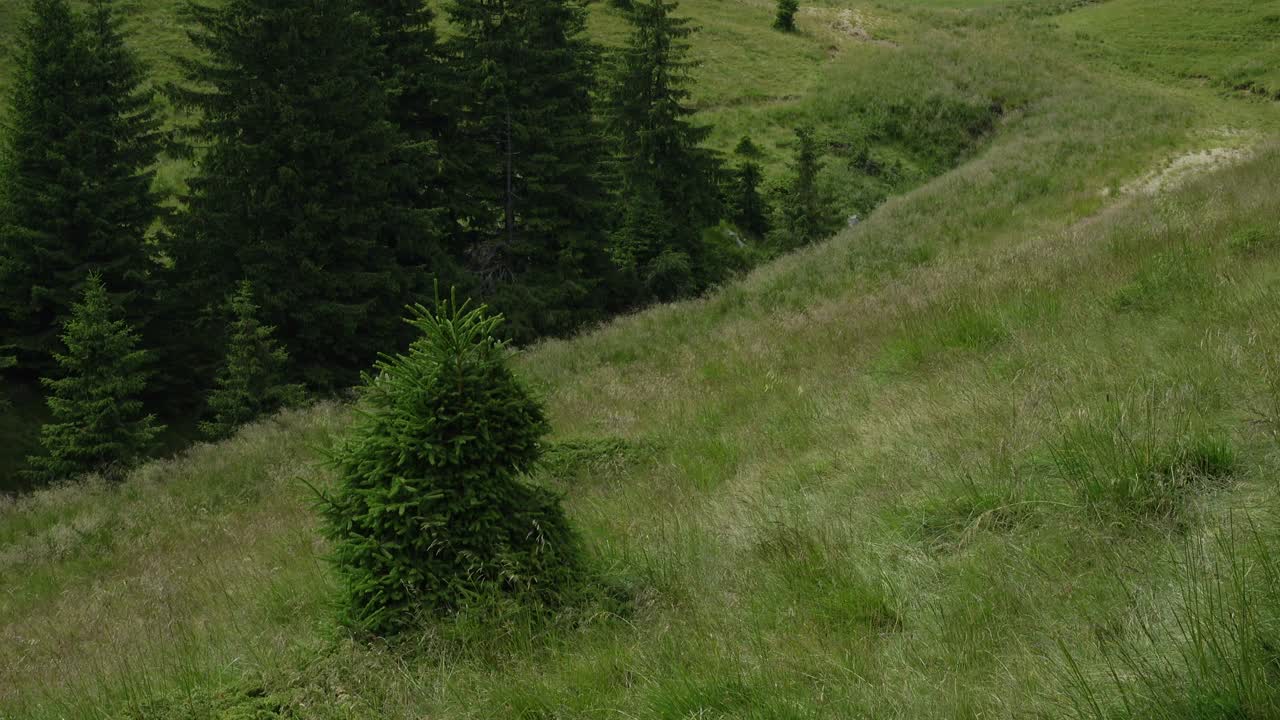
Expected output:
(1214, 656)
(1254, 240)
(1131, 461)
(963, 326)
(965, 506)
(249, 702)
(593, 459)
(431, 513)
(1169, 277)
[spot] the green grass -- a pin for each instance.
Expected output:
(1007, 449)
(1228, 43)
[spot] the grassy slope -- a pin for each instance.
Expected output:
(860, 483)
(1231, 43)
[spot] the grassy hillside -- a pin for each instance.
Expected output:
(1007, 449)
(1227, 43)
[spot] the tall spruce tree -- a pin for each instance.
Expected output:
(302, 182)
(667, 181)
(99, 424)
(805, 213)
(422, 96)
(6, 362)
(534, 149)
(78, 191)
(251, 381)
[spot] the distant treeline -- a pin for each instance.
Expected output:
(349, 161)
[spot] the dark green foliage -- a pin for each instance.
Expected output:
(431, 512)
(422, 97)
(667, 181)
(77, 195)
(99, 423)
(786, 17)
(412, 66)
(251, 381)
(6, 362)
(302, 185)
(750, 211)
(805, 214)
(532, 153)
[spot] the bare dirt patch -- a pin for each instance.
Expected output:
(1183, 168)
(854, 24)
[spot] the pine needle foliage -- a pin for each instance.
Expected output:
(99, 423)
(786, 17)
(532, 147)
(422, 93)
(78, 197)
(667, 181)
(750, 210)
(805, 213)
(6, 362)
(251, 381)
(432, 514)
(301, 184)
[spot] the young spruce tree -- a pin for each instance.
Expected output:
(431, 513)
(805, 214)
(304, 184)
(785, 20)
(534, 151)
(78, 188)
(99, 424)
(750, 211)
(251, 381)
(667, 181)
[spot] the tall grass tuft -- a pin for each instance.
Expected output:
(1214, 656)
(1138, 458)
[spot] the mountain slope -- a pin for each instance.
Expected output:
(955, 462)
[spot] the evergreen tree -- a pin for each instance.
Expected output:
(99, 423)
(534, 149)
(667, 181)
(302, 183)
(6, 362)
(750, 211)
(412, 67)
(786, 17)
(251, 381)
(422, 94)
(77, 193)
(805, 214)
(431, 511)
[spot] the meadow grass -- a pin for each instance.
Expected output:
(1006, 449)
(1230, 44)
